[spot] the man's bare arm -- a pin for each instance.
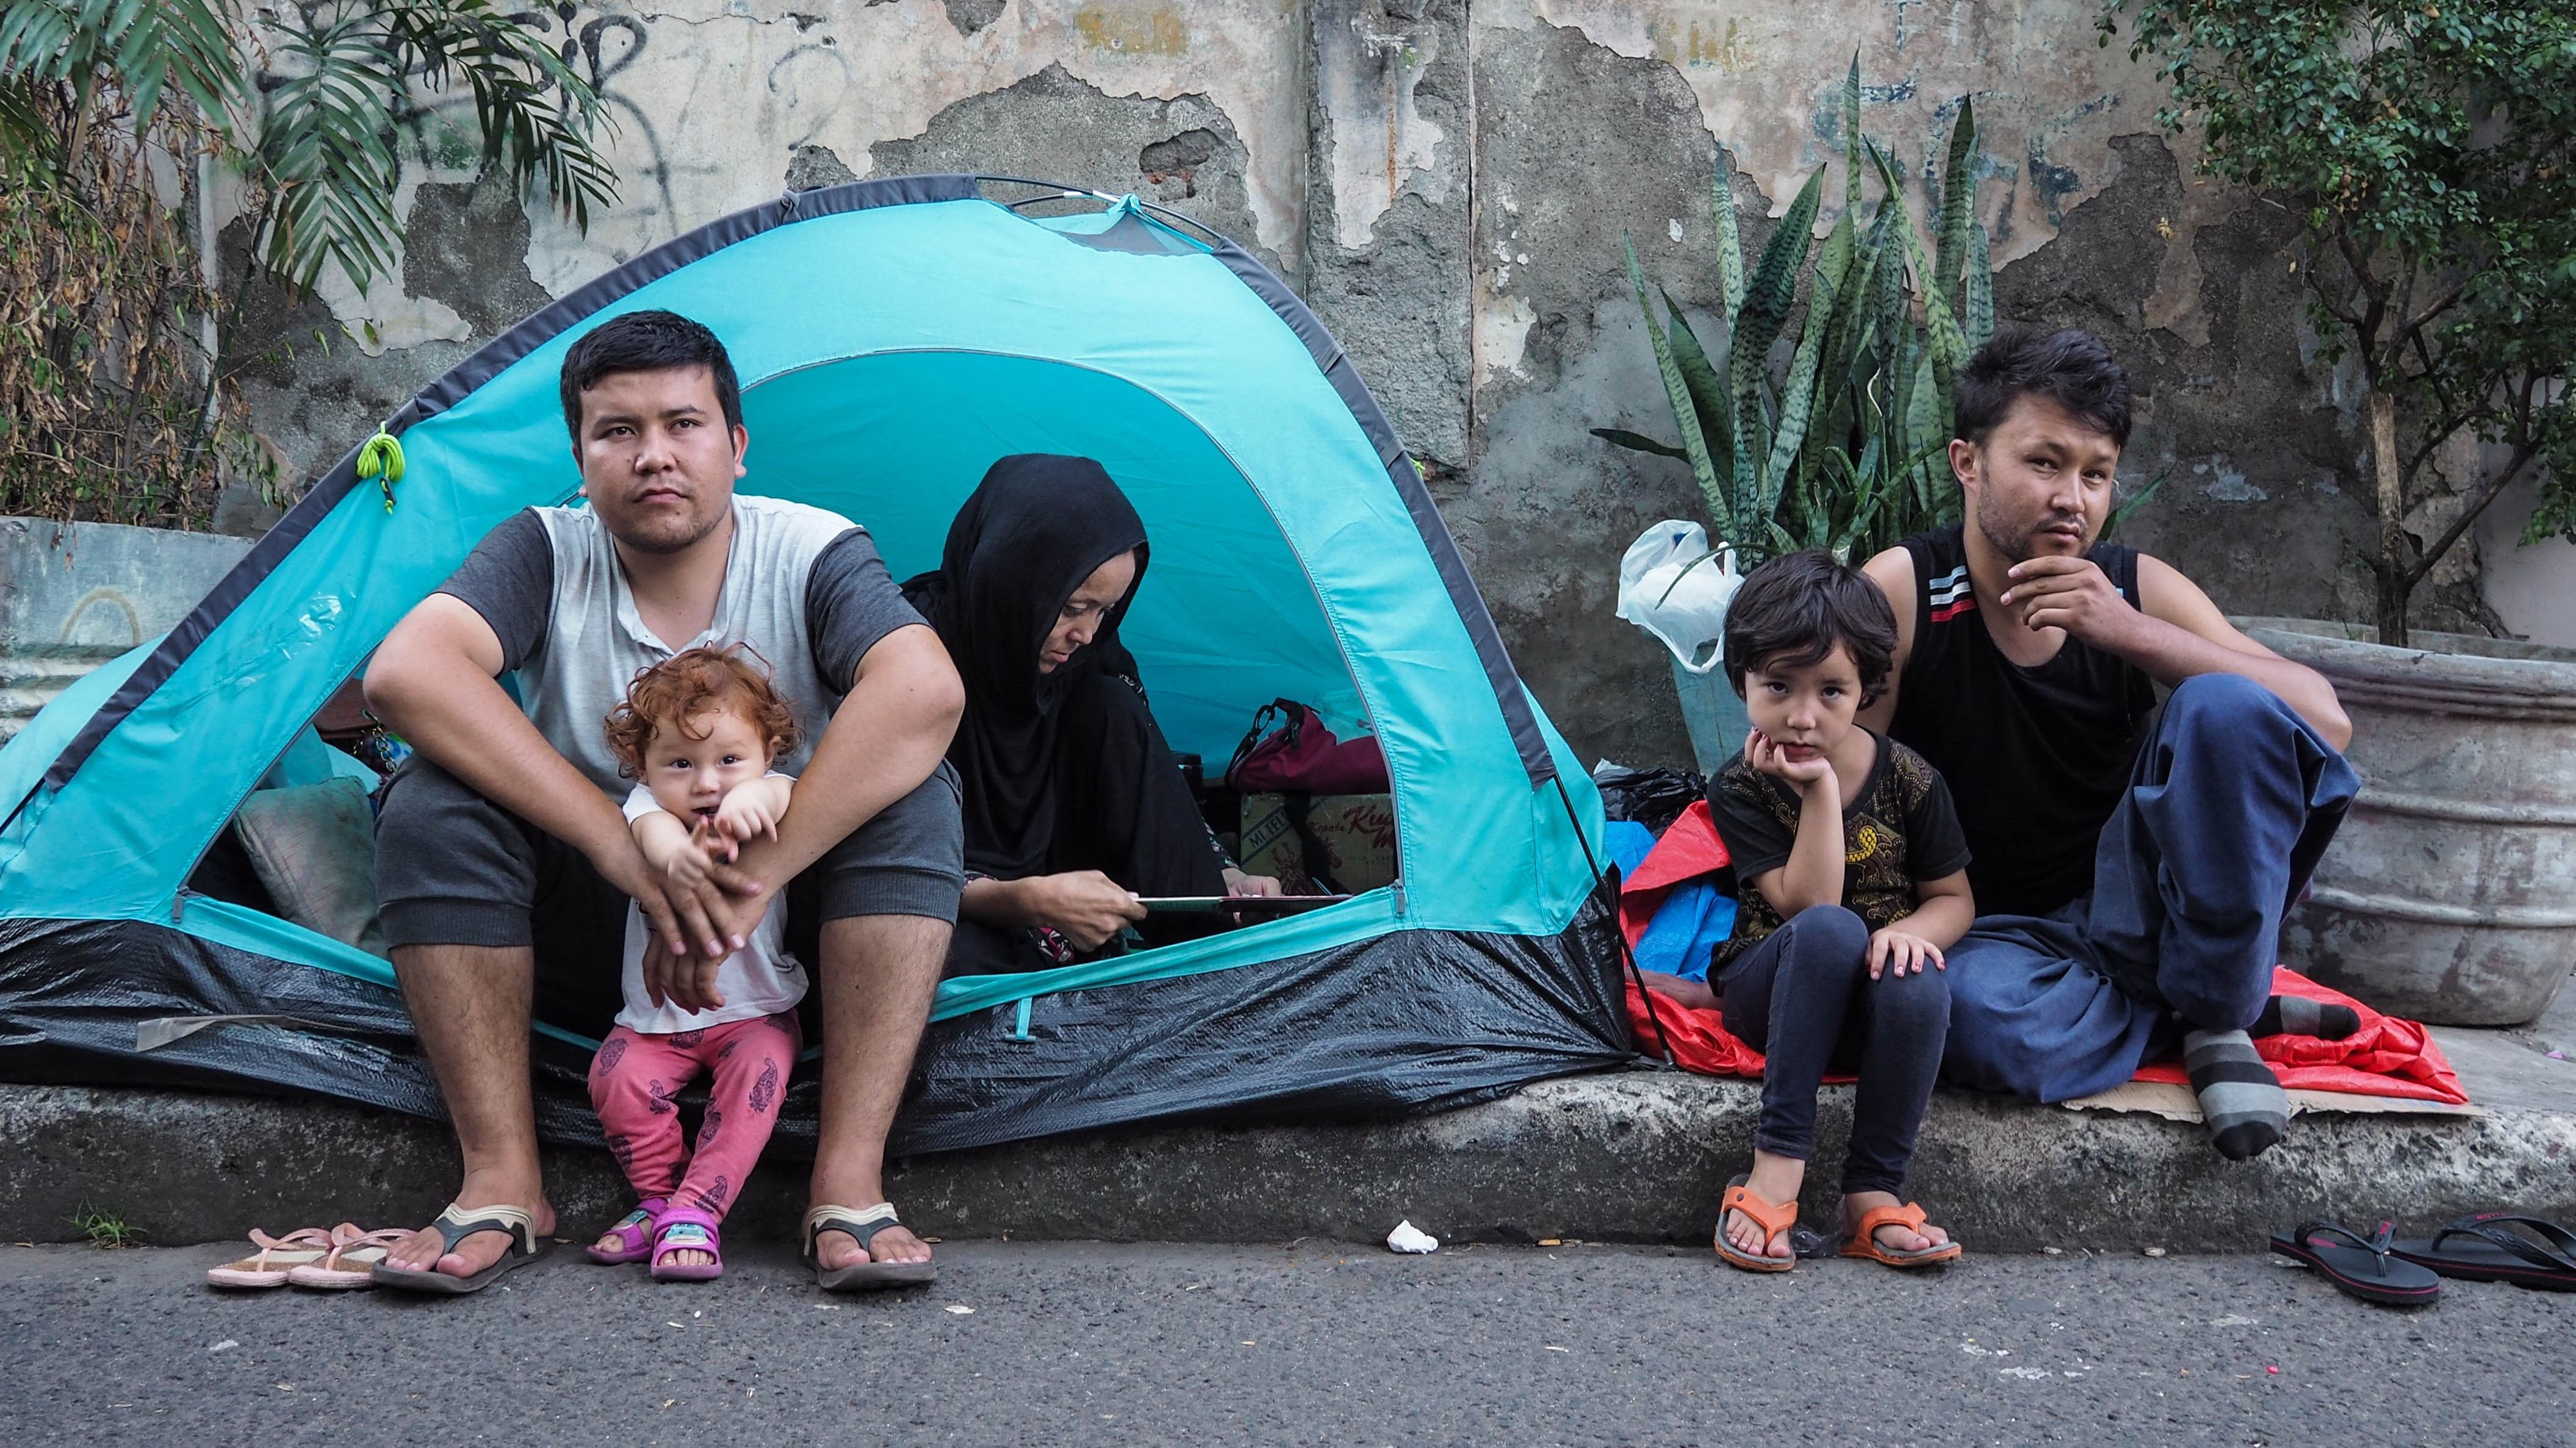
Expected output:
(1893, 572)
(435, 681)
(890, 732)
(2174, 634)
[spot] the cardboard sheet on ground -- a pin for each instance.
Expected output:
(2387, 1065)
(2175, 1102)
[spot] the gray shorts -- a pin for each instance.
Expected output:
(453, 868)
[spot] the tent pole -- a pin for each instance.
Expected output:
(1601, 887)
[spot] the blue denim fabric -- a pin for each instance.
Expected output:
(1803, 997)
(2232, 802)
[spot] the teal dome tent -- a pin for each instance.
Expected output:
(893, 337)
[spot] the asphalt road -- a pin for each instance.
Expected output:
(1316, 1343)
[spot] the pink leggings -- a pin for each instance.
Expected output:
(634, 1077)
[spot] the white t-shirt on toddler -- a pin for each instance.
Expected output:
(759, 980)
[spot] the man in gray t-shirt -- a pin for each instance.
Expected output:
(504, 863)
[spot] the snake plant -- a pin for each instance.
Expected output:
(1845, 449)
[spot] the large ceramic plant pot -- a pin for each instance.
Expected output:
(2450, 895)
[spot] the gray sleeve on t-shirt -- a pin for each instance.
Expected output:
(509, 578)
(851, 601)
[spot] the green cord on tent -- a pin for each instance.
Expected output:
(381, 458)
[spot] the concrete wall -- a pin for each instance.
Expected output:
(1448, 185)
(75, 595)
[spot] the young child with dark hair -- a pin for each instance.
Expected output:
(697, 732)
(1852, 879)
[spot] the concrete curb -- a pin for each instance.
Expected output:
(1624, 1157)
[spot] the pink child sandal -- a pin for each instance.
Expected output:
(277, 1256)
(634, 1234)
(684, 1230)
(350, 1263)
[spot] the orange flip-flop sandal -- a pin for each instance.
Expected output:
(1774, 1218)
(1863, 1241)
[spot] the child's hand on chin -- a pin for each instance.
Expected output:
(1767, 758)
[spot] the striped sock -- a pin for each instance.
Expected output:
(2300, 1016)
(2240, 1098)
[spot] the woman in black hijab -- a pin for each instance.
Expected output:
(1074, 805)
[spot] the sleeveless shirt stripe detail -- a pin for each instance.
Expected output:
(1952, 595)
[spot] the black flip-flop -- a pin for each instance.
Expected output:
(863, 1227)
(2365, 1269)
(455, 1225)
(2480, 1249)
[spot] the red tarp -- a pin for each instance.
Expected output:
(1687, 849)
(2386, 1057)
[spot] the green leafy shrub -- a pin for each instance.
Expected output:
(2428, 148)
(110, 402)
(114, 370)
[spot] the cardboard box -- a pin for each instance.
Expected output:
(1353, 836)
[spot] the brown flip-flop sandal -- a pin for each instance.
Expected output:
(1774, 1218)
(863, 1227)
(1863, 1242)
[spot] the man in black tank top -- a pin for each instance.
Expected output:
(2131, 867)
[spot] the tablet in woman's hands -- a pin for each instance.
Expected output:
(1236, 904)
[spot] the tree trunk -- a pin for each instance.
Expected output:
(2394, 587)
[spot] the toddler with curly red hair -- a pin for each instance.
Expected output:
(697, 732)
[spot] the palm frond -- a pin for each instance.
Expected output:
(329, 141)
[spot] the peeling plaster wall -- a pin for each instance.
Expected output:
(1448, 184)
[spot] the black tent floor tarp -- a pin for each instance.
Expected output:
(1413, 1021)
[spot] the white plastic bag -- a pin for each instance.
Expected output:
(1411, 1239)
(1671, 588)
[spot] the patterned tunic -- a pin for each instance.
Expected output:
(1899, 830)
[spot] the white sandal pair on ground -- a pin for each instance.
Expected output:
(339, 1260)
(349, 1257)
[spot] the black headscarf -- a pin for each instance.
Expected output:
(1033, 531)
